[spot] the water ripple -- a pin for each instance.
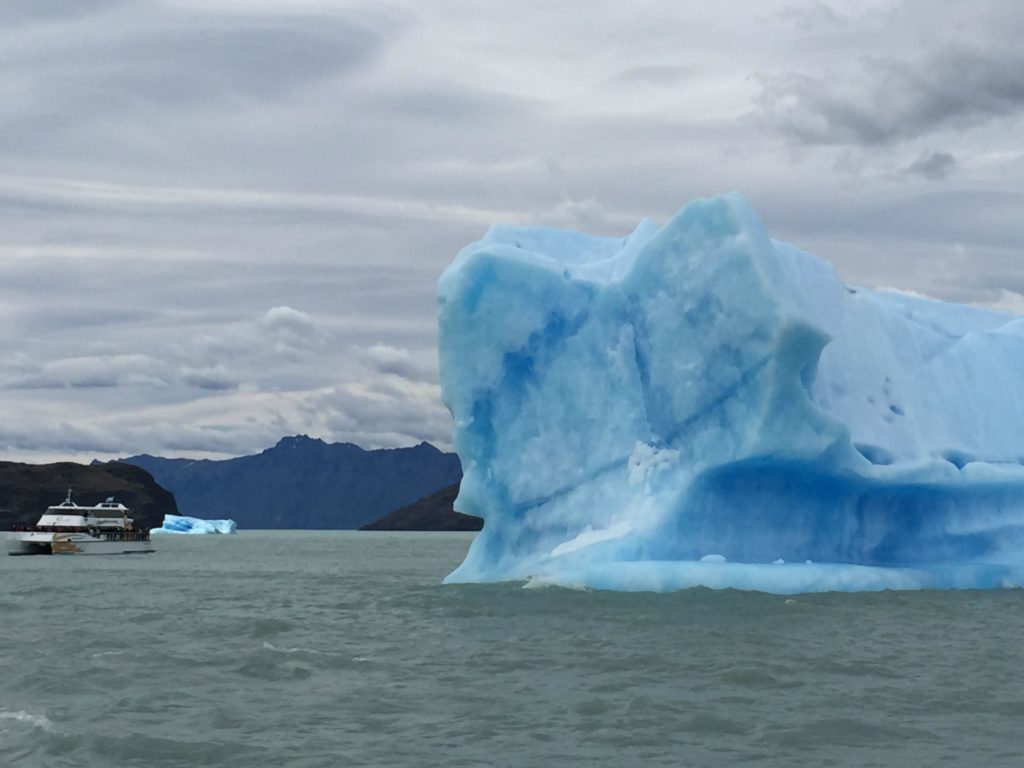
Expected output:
(306, 649)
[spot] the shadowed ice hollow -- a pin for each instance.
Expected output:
(702, 405)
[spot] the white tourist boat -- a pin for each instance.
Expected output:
(70, 529)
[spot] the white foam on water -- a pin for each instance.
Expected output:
(21, 716)
(297, 649)
(272, 647)
(539, 582)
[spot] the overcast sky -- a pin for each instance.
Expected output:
(222, 221)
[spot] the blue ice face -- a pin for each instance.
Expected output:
(626, 408)
(182, 524)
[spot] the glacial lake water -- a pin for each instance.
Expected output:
(344, 649)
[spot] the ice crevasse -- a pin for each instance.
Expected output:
(701, 405)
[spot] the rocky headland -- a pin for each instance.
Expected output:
(433, 513)
(26, 490)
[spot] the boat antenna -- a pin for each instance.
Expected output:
(68, 499)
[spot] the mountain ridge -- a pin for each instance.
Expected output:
(303, 482)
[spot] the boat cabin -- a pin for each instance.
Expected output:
(69, 516)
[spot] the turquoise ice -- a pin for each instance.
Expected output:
(701, 405)
(183, 524)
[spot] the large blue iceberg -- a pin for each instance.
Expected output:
(701, 405)
(182, 524)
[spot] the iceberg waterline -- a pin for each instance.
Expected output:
(183, 524)
(626, 407)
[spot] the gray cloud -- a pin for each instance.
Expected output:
(812, 17)
(889, 100)
(401, 362)
(88, 372)
(905, 71)
(35, 11)
(157, 54)
(158, 85)
(933, 165)
(214, 377)
(77, 439)
(290, 330)
(391, 411)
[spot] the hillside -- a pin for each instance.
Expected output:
(433, 513)
(26, 490)
(304, 483)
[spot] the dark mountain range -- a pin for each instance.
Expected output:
(304, 483)
(26, 490)
(434, 513)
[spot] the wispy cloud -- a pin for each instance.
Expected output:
(58, 194)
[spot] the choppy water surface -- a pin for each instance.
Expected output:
(342, 648)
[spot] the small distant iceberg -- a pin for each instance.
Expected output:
(182, 524)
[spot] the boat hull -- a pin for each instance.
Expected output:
(33, 544)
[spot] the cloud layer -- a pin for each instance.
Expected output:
(222, 221)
